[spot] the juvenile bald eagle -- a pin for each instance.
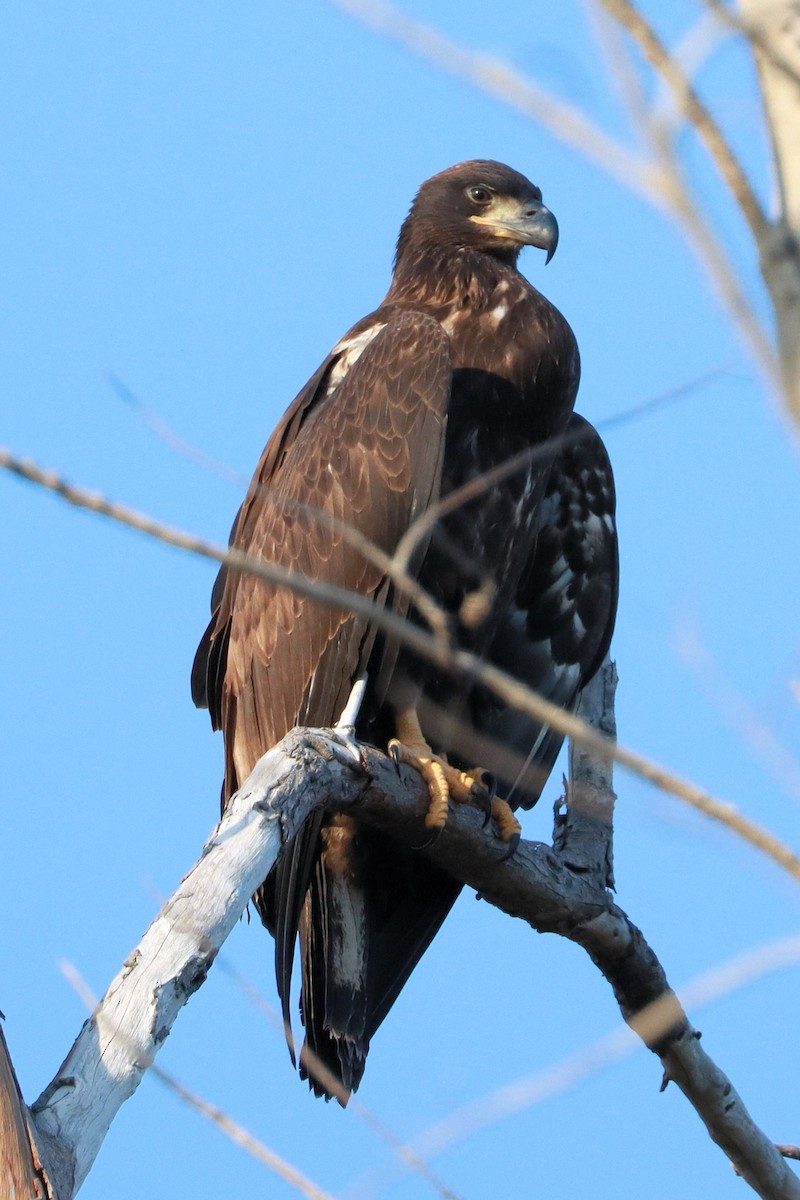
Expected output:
(462, 366)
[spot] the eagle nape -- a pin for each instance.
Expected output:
(463, 366)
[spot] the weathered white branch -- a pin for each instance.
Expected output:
(584, 825)
(116, 1045)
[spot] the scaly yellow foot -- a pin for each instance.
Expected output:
(446, 782)
(507, 824)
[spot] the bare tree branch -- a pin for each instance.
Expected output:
(242, 1137)
(689, 102)
(223, 1121)
(774, 29)
(686, 206)
(660, 181)
(107, 1061)
(117, 1044)
(457, 662)
(585, 823)
(522, 1094)
(167, 434)
(410, 1159)
(502, 81)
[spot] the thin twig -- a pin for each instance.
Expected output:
(457, 662)
(689, 102)
(542, 452)
(242, 1137)
(397, 571)
(406, 585)
(167, 434)
(662, 189)
(569, 1072)
(752, 729)
(685, 205)
(504, 82)
(295, 581)
(411, 1160)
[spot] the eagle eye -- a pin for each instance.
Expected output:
(479, 195)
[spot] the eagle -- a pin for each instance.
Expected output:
(452, 401)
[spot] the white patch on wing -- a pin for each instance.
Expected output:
(593, 525)
(350, 350)
(497, 313)
(561, 573)
(524, 514)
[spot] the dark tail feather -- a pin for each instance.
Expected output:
(334, 940)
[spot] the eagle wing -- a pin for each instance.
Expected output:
(360, 448)
(365, 455)
(556, 638)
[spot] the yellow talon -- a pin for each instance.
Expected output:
(444, 782)
(419, 755)
(507, 824)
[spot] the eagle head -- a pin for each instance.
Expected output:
(483, 205)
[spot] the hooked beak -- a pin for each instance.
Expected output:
(528, 223)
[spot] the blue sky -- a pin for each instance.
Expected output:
(199, 200)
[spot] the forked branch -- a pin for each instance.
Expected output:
(115, 1047)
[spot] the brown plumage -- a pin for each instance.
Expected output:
(462, 366)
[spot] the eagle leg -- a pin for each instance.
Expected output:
(446, 782)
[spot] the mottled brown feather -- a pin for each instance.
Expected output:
(461, 338)
(385, 420)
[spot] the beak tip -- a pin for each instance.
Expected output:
(545, 232)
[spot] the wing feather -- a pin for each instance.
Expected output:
(367, 454)
(566, 604)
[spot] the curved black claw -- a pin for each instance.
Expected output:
(483, 794)
(513, 843)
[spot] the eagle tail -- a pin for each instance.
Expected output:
(334, 938)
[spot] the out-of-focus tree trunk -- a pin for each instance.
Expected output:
(774, 26)
(21, 1174)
